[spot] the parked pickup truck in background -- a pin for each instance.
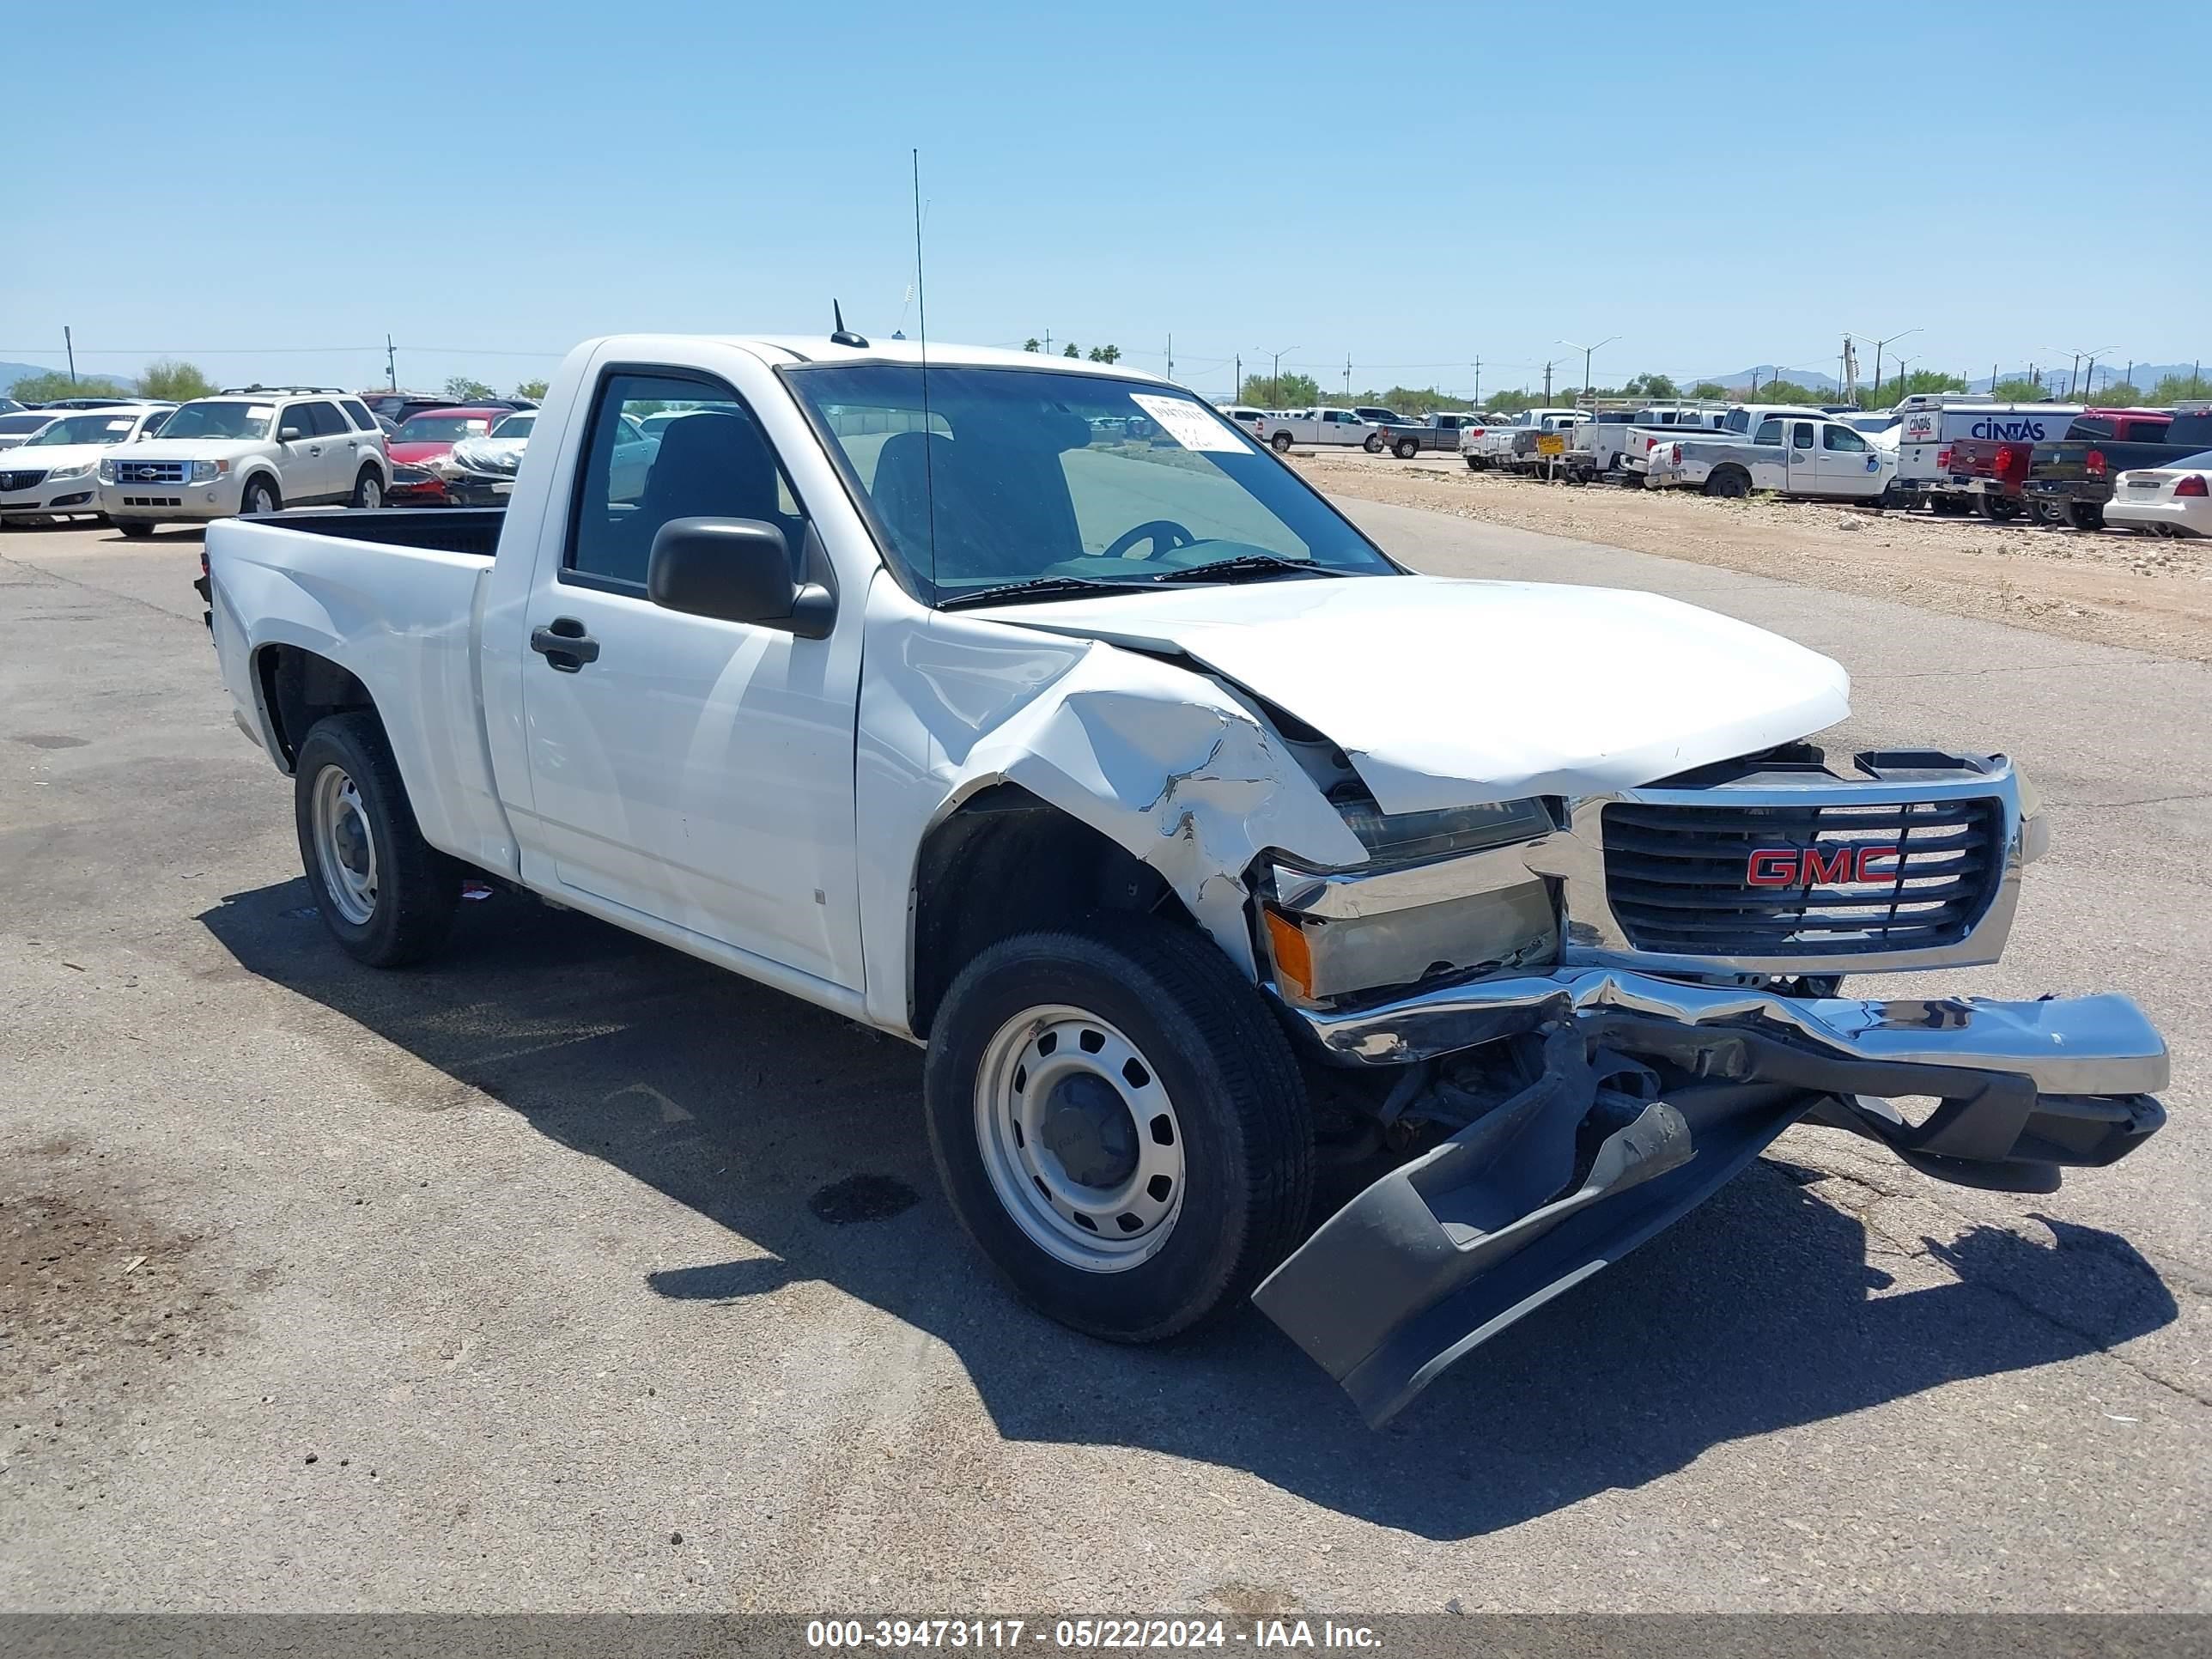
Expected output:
(2070, 479)
(1321, 425)
(1929, 424)
(1156, 801)
(1436, 431)
(1797, 455)
(1601, 446)
(1512, 446)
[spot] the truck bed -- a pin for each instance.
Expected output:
(473, 531)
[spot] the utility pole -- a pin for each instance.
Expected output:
(1348, 377)
(1547, 383)
(1048, 342)
(1240, 378)
(1478, 383)
(1171, 357)
(69, 345)
(391, 365)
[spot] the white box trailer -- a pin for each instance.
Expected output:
(1930, 421)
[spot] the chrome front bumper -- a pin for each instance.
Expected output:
(1442, 1254)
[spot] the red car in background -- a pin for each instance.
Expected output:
(430, 436)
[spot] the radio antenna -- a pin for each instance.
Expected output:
(921, 328)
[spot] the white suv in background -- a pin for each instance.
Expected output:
(258, 449)
(49, 474)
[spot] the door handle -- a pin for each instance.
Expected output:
(565, 645)
(314, 449)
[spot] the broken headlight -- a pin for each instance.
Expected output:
(1394, 839)
(1444, 894)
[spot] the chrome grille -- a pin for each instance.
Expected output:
(1679, 877)
(22, 480)
(167, 472)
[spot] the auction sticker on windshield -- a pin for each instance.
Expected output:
(1187, 424)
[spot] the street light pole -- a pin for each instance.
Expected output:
(1878, 345)
(1587, 351)
(1278, 373)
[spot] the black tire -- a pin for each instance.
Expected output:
(2085, 515)
(137, 529)
(367, 489)
(1476, 464)
(1372, 443)
(2052, 513)
(2000, 509)
(1407, 448)
(418, 888)
(1729, 483)
(1246, 1130)
(1280, 443)
(260, 496)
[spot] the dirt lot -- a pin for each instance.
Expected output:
(2110, 587)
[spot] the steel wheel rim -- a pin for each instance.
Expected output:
(346, 846)
(1045, 1125)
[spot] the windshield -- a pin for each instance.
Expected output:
(85, 430)
(442, 428)
(516, 425)
(1021, 475)
(30, 422)
(220, 421)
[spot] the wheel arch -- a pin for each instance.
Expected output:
(297, 686)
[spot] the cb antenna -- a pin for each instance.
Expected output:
(921, 328)
(841, 335)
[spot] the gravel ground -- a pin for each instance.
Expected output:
(2111, 586)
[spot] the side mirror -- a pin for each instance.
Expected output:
(735, 570)
(290, 434)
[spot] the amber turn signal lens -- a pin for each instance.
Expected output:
(1294, 970)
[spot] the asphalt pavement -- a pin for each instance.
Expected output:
(540, 1278)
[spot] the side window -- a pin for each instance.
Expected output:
(328, 423)
(708, 460)
(1842, 438)
(1770, 432)
(1801, 435)
(359, 415)
(2090, 426)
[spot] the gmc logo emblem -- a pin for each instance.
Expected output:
(1821, 866)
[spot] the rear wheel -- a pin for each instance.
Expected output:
(1280, 443)
(1727, 481)
(2085, 515)
(2051, 512)
(1120, 1125)
(2000, 509)
(387, 895)
(137, 529)
(1475, 464)
(261, 496)
(1407, 449)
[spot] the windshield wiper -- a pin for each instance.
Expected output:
(1256, 567)
(1040, 588)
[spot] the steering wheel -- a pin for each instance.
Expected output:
(1165, 534)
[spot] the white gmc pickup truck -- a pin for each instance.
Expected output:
(1173, 817)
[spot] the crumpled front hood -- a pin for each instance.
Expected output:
(1450, 693)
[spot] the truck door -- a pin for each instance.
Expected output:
(694, 770)
(1846, 464)
(1802, 458)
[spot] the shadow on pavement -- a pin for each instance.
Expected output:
(1754, 1314)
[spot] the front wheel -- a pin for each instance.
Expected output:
(137, 529)
(386, 894)
(260, 497)
(368, 489)
(1372, 443)
(1120, 1125)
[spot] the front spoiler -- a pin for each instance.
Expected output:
(1593, 1158)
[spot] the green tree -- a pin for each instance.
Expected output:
(1709, 389)
(1652, 386)
(2118, 394)
(56, 383)
(1106, 354)
(463, 390)
(2170, 389)
(175, 382)
(2019, 389)
(1290, 391)
(1031, 344)
(1789, 391)
(1069, 350)
(534, 390)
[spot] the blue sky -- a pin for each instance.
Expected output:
(1412, 185)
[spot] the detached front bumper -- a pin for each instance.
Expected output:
(1598, 1155)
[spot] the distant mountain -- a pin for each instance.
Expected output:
(11, 373)
(1741, 379)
